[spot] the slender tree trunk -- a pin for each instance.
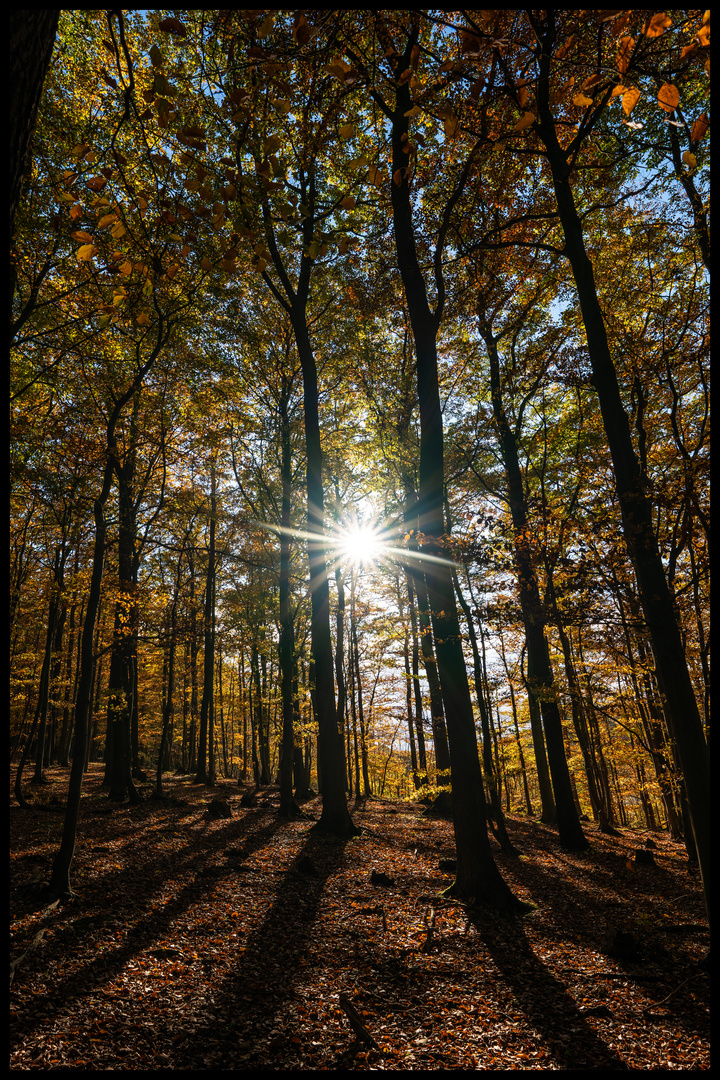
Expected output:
(202, 773)
(335, 817)
(540, 676)
(477, 874)
(288, 807)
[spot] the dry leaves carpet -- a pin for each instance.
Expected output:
(194, 943)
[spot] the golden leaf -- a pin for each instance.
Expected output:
(86, 252)
(630, 99)
(80, 234)
(346, 131)
(582, 100)
(668, 97)
(657, 25)
(143, 320)
(699, 129)
(690, 159)
(108, 219)
(625, 51)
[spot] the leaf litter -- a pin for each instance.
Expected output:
(253, 942)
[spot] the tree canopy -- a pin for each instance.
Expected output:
(359, 425)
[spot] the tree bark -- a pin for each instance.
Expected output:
(671, 667)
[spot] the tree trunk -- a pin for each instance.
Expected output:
(679, 699)
(540, 676)
(477, 874)
(335, 817)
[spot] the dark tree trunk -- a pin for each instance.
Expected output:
(202, 773)
(477, 874)
(655, 597)
(31, 39)
(540, 676)
(288, 807)
(335, 817)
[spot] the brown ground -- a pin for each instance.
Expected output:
(201, 944)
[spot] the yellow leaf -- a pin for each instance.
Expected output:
(143, 320)
(80, 234)
(398, 177)
(657, 25)
(76, 211)
(118, 231)
(414, 111)
(690, 160)
(86, 252)
(346, 131)
(619, 89)
(108, 219)
(525, 121)
(582, 99)
(126, 268)
(630, 99)
(668, 97)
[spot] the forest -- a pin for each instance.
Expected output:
(359, 520)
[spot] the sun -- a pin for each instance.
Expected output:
(361, 545)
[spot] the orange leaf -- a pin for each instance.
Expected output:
(630, 99)
(657, 25)
(699, 129)
(525, 121)
(668, 97)
(625, 51)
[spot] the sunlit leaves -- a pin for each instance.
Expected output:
(668, 97)
(624, 54)
(657, 24)
(700, 128)
(630, 99)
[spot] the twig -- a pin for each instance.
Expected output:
(356, 1023)
(655, 1004)
(430, 928)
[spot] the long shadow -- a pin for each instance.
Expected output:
(544, 1000)
(149, 927)
(252, 999)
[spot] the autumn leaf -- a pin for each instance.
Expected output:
(172, 26)
(625, 51)
(668, 97)
(630, 99)
(657, 25)
(375, 176)
(699, 128)
(346, 131)
(525, 121)
(582, 99)
(690, 159)
(86, 252)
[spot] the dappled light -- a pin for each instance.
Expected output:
(359, 538)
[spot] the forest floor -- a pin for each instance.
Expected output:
(194, 943)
